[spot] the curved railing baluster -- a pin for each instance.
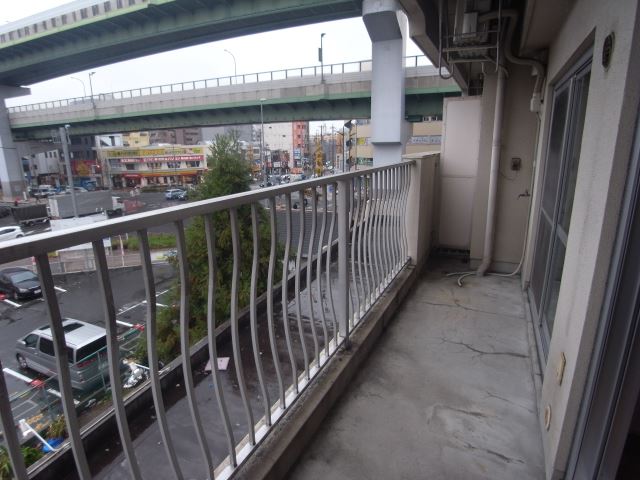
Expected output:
(113, 358)
(8, 425)
(312, 320)
(323, 319)
(328, 265)
(185, 345)
(407, 185)
(270, 321)
(235, 337)
(62, 365)
(152, 352)
(385, 227)
(360, 247)
(253, 315)
(297, 281)
(210, 235)
(285, 295)
(354, 229)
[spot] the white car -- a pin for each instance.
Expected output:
(7, 233)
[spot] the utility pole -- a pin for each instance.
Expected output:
(64, 138)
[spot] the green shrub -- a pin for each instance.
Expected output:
(30, 454)
(57, 428)
(228, 174)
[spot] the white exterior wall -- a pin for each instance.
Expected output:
(278, 136)
(458, 166)
(611, 114)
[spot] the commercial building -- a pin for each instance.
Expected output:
(153, 165)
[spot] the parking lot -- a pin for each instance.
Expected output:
(79, 298)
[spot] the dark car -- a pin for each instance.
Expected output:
(19, 283)
(183, 195)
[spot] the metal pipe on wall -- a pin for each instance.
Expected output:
(489, 231)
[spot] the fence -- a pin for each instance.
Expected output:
(338, 280)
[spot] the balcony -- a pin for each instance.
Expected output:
(448, 387)
(448, 391)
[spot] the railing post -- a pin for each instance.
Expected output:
(342, 310)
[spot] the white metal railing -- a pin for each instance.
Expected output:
(248, 78)
(367, 210)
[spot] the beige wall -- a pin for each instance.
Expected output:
(518, 141)
(610, 117)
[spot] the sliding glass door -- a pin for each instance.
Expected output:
(561, 167)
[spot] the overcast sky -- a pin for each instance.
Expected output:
(345, 41)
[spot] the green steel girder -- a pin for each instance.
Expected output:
(417, 102)
(153, 27)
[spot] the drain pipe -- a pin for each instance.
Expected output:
(496, 144)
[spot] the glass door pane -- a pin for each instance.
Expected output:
(549, 192)
(561, 172)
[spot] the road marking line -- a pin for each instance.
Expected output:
(157, 304)
(125, 310)
(161, 293)
(126, 324)
(13, 304)
(17, 375)
(60, 289)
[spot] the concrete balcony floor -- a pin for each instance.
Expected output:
(448, 391)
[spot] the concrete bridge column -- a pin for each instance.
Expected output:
(386, 24)
(11, 176)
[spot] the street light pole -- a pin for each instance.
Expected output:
(320, 57)
(91, 74)
(84, 90)
(235, 69)
(264, 165)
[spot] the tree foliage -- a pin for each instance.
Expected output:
(228, 174)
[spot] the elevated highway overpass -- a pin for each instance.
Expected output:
(88, 34)
(294, 94)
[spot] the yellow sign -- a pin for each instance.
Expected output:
(155, 151)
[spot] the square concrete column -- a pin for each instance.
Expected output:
(11, 175)
(387, 27)
(421, 208)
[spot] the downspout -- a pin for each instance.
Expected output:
(496, 144)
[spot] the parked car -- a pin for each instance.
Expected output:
(67, 189)
(11, 231)
(173, 193)
(19, 283)
(43, 191)
(183, 195)
(86, 352)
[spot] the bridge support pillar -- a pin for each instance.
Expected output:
(387, 27)
(11, 176)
